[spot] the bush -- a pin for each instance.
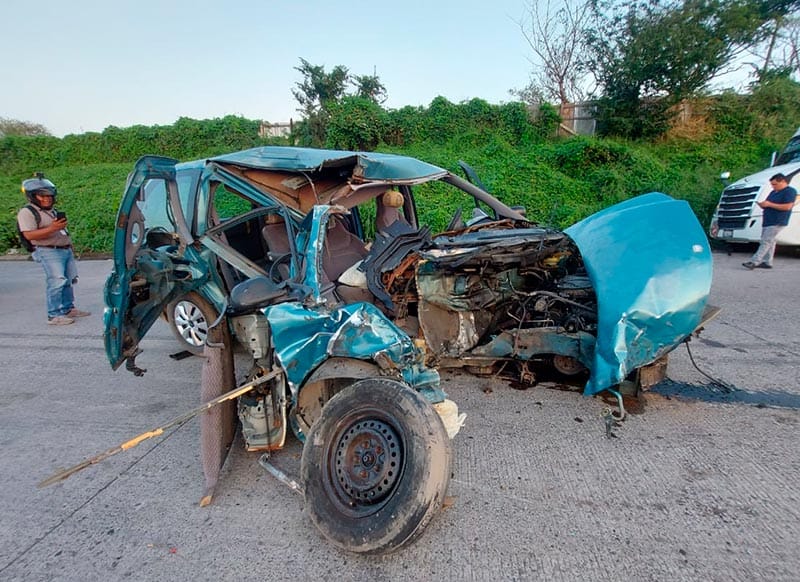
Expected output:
(355, 123)
(558, 180)
(186, 139)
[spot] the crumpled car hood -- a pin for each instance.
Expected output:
(651, 290)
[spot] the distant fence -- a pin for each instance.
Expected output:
(578, 118)
(279, 129)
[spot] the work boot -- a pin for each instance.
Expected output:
(75, 312)
(60, 320)
(763, 266)
(749, 265)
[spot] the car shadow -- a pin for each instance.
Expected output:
(718, 393)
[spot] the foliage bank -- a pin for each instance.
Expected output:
(22, 154)
(558, 180)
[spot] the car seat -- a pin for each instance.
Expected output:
(343, 249)
(278, 247)
(388, 209)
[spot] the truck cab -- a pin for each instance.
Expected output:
(737, 218)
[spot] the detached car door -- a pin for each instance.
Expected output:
(154, 260)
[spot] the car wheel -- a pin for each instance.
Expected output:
(189, 317)
(567, 365)
(375, 466)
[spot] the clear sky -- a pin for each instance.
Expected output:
(82, 65)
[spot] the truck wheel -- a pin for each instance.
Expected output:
(189, 317)
(375, 466)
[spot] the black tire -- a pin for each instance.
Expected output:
(567, 365)
(189, 317)
(375, 466)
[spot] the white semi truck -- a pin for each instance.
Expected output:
(737, 218)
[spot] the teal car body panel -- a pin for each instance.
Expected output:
(304, 337)
(651, 289)
(168, 274)
(647, 258)
(309, 239)
(372, 165)
(306, 334)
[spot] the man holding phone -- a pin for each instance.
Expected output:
(46, 229)
(777, 212)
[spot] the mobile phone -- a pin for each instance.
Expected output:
(60, 215)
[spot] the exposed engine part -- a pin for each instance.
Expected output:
(551, 309)
(540, 304)
(387, 253)
(575, 283)
(252, 331)
(526, 375)
(263, 416)
(484, 283)
(555, 260)
(574, 322)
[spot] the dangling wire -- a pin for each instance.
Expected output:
(721, 384)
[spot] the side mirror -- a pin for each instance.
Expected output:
(725, 177)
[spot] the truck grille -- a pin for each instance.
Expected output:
(735, 205)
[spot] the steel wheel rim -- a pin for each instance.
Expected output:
(365, 465)
(190, 322)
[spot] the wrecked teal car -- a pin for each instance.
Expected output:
(315, 261)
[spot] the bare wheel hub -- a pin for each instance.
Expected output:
(367, 462)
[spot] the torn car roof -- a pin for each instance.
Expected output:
(369, 165)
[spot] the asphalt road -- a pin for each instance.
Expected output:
(700, 483)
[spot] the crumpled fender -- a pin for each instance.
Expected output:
(304, 337)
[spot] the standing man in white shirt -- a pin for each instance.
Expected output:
(45, 229)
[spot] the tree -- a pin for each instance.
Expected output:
(778, 53)
(318, 87)
(650, 55)
(531, 94)
(355, 123)
(369, 87)
(17, 127)
(555, 33)
(314, 93)
(320, 92)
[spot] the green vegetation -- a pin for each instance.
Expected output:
(639, 60)
(558, 180)
(649, 56)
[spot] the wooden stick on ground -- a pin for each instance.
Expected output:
(61, 475)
